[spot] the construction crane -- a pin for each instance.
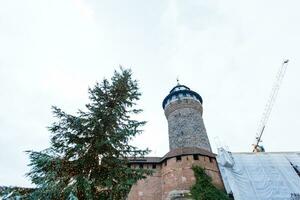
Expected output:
(267, 111)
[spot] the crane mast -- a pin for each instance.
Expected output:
(269, 106)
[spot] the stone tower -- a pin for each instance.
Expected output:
(183, 110)
(189, 146)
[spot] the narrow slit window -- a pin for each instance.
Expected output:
(196, 157)
(178, 158)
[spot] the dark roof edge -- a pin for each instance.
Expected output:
(177, 86)
(181, 92)
(173, 153)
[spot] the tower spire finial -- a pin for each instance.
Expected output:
(177, 79)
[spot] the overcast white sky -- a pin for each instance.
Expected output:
(227, 51)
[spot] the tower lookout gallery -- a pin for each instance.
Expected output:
(189, 145)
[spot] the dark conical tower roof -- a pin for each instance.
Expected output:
(181, 92)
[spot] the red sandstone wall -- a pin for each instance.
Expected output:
(180, 176)
(176, 175)
(147, 189)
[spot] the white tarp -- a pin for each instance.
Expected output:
(260, 176)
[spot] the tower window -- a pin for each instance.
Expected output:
(210, 159)
(196, 157)
(178, 158)
(154, 166)
(166, 163)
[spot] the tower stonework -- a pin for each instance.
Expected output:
(183, 110)
(189, 145)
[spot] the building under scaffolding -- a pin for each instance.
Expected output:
(260, 176)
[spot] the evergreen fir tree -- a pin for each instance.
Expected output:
(89, 153)
(204, 189)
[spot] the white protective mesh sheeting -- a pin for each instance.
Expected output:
(260, 176)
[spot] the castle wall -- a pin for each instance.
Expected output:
(174, 173)
(149, 188)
